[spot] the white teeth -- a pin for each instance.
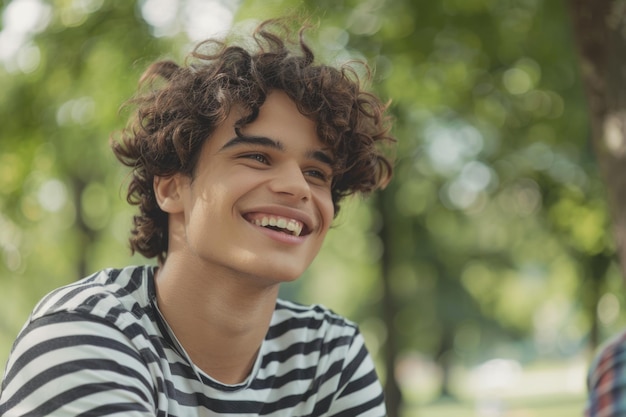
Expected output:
(294, 226)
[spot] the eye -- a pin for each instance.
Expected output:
(318, 174)
(258, 157)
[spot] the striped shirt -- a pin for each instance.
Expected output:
(607, 380)
(99, 347)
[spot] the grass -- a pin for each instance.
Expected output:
(549, 406)
(503, 389)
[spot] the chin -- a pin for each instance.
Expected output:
(286, 276)
(271, 269)
(282, 273)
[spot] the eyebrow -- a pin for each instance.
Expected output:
(254, 140)
(263, 141)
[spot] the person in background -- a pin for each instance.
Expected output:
(239, 160)
(606, 380)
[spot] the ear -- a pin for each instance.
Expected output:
(169, 192)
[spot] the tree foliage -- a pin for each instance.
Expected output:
(61, 193)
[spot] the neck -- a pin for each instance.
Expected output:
(217, 316)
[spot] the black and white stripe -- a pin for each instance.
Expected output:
(99, 347)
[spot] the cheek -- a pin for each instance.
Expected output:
(326, 207)
(205, 205)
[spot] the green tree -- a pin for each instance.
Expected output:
(599, 29)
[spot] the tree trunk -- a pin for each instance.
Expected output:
(86, 236)
(599, 28)
(444, 359)
(594, 284)
(393, 395)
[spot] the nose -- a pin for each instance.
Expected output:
(290, 181)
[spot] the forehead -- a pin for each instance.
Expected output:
(278, 119)
(280, 114)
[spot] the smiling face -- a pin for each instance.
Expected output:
(259, 204)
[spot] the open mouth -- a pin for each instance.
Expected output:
(280, 224)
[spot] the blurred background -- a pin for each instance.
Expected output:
(483, 277)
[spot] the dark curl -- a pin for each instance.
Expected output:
(173, 119)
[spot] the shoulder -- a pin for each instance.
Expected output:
(290, 315)
(104, 294)
(317, 336)
(312, 327)
(297, 329)
(84, 340)
(108, 309)
(105, 310)
(316, 339)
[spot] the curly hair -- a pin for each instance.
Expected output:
(174, 119)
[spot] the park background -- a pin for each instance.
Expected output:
(483, 278)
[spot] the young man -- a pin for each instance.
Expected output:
(239, 162)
